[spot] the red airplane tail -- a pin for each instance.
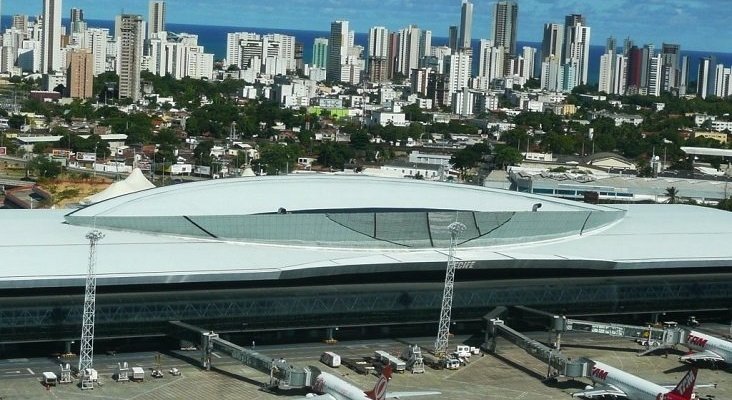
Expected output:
(685, 388)
(379, 390)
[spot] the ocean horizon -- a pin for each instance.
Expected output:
(213, 39)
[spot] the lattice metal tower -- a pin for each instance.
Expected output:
(456, 228)
(86, 353)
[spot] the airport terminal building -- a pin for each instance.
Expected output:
(298, 252)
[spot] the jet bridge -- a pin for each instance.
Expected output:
(282, 374)
(559, 365)
(653, 338)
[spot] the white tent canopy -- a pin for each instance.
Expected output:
(133, 183)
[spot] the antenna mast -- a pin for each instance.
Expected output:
(455, 228)
(86, 353)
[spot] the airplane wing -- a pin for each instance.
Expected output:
(404, 395)
(601, 392)
(321, 397)
(705, 355)
(696, 385)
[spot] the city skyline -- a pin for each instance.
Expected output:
(649, 22)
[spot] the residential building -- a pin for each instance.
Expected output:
(671, 73)
(156, 17)
(577, 46)
(705, 78)
(466, 26)
(76, 20)
(51, 43)
(80, 74)
(272, 54)
(553, 42)
(340, 39)
(129, 33)
(459, 72)
(95, 40)
(452, 38)
(414, 43)
(378, 54)
(505, 22)
(320, 53)
(491, 63)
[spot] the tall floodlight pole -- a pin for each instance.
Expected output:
(87, 327)
(456, 228)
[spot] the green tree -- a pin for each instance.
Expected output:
(673, 195)
(202, 153)
(506, 156)
(277, 158)
(360, 140)
(16, 121)
(334, 155)
(43, 167)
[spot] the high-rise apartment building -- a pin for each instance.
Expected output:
(706, 77)
(505, 22)
(378, 54)
(414, 43)
(95, 40)
(320, 52)
(465, 35)
(20, 22)
(606, 76)
(76, 20)
(272, 52)
(459, 65)
(51, 43)
(570, 34)
(491, 63)
(156, 17)
(655, 76)
(130, 33)
(337, 49)
(80, 74)
(577, 46)
(452, 38)
(671, 74)
(553, 42)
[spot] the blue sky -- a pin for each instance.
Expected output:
(695, 24)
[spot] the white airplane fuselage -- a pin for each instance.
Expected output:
(697, 341)
(337, 388)
(634, 387)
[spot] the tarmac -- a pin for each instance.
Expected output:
(511, 373)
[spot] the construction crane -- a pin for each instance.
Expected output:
(86, 353)
(455, 228)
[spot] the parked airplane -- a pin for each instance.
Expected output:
(707, 348)
(330, 387)
(610, 381)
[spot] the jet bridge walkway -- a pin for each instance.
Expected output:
(282, 374)
(653, 338)
(559, 365)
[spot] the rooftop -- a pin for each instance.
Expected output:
(40, 248)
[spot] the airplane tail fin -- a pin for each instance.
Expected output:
(685, 388)
(379, 390)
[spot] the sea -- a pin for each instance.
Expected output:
(213, 39)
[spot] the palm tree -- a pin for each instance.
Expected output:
(672, 193)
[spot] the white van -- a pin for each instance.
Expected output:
(330, 359)
(452, 363)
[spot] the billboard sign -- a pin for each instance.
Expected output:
(202, 170)
(60, 153)
(91, 157)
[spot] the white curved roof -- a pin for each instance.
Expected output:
(302, 193)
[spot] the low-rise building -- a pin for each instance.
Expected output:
(721, 137)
